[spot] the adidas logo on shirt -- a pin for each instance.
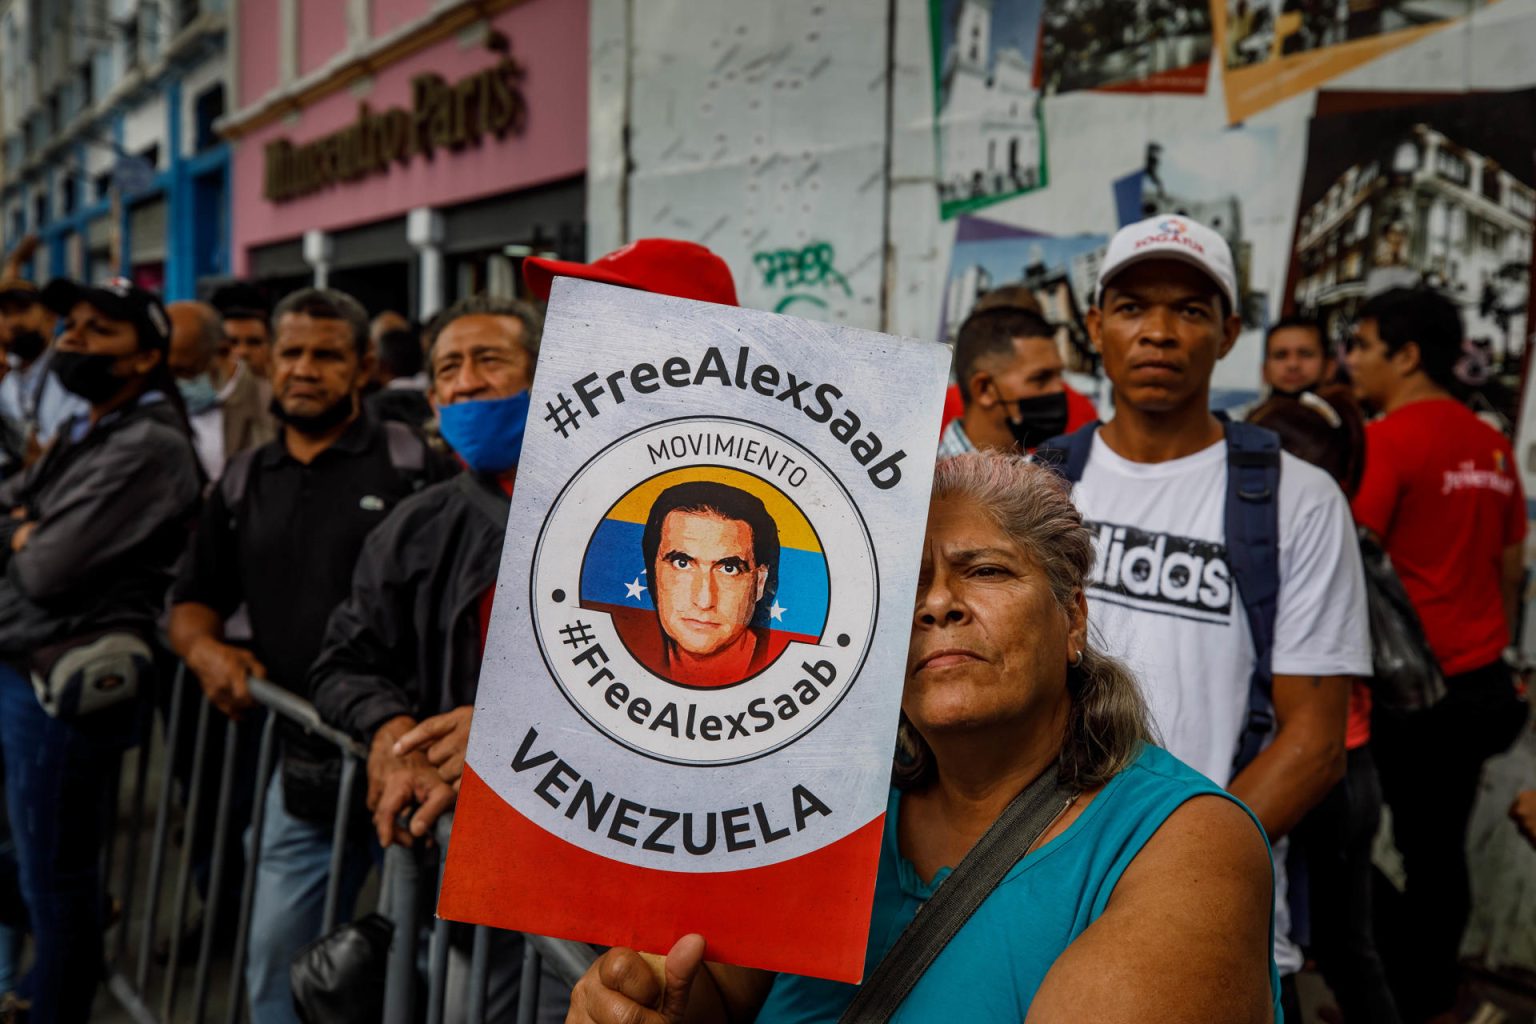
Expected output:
(1162, 573)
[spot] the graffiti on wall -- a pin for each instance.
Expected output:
(802, 273)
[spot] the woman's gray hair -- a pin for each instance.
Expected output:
(1109, 720)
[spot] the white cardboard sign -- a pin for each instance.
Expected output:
(691, 683)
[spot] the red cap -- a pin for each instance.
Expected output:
(665, 266)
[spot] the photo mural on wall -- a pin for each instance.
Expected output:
(988, 131)
(1272, 50)
(1124, 46)
(1439, 194)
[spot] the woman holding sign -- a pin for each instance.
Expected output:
(1068, 869)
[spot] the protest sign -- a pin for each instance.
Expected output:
(688, 704)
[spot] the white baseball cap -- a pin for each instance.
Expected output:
(1170, 237)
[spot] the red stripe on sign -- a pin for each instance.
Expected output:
(809, 915)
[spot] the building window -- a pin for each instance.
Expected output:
(102, 185)
(209, 107)
(1492, 186)
(67, 191)
(40, 211)
(1489, 236)
(1452, 167)
(130, 28)
(149, 32)
(151, 155)
(87, 84)
(187, 12)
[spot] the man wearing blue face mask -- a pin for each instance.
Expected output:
(377, 675)
(406, 646)
(401, 659)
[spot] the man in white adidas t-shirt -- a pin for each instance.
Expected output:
(1162, 593)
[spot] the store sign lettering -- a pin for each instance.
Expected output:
(441, 116)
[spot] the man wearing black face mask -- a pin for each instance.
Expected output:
(33, 404)
(281, 533)
(89, 536)
(1009, 373)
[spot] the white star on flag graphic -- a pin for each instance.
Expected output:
(634, 589)
(777, 611)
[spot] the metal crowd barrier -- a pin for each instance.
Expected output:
(150, 913)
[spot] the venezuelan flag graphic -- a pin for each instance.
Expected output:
(615, 579)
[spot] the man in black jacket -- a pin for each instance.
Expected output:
(406, 645)
(88, 537)
(281, 534)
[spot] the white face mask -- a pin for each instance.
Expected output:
(199, 393)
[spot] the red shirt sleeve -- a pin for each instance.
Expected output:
(1379, 485)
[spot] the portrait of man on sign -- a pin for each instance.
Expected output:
(712, 554)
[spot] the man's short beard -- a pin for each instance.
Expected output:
(321, 423)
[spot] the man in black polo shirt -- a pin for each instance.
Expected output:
(281, 534)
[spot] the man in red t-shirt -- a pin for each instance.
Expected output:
(1441, 492)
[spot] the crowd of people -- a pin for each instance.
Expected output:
(1151, 644)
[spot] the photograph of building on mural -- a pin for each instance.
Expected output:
(1060, 271)
(1261, 30)
(1435, 194)
(1177, 179)
(1124, 45)
(1274, 49)
(989, 133)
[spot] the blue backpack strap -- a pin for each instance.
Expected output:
(1067, 454)
(1253, 552)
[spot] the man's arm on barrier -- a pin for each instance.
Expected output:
(205, 594)
(396, 783)
(197, 635)
(1305, 760)
(1185, 936)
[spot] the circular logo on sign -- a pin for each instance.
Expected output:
(682, 591)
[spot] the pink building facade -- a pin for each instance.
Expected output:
(407, 151)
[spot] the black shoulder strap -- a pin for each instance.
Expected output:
(496, 506)
(1010, 837)
(1253, 551)
(1068, 453)
(235, 478)
(407, 451)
